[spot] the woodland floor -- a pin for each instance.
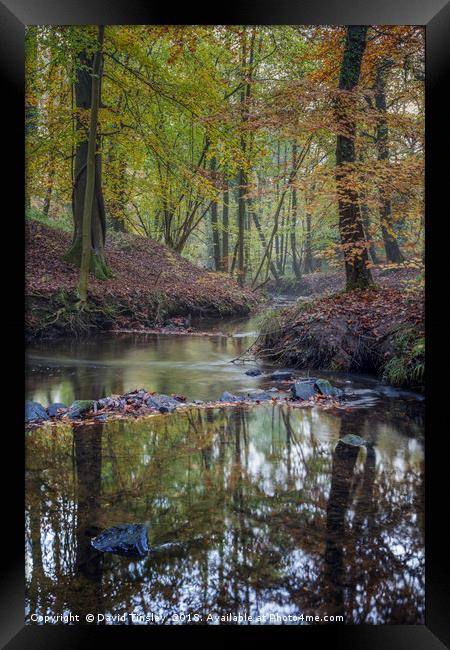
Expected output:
(151, 283)
(333, 281)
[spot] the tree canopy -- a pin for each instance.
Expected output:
(222, 141)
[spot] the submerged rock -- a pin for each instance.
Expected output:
(124, 539)
(79, 407)
(35, 411)
(52, 409)
(304, 389)
(229, 397)
(253, 372)
(281, 375)
(352, 440)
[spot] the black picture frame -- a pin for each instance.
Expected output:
(435, 16)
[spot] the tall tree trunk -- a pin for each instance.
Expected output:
(49, 190)
(214, 224)
(225, 234)
(241, 226)
(350, 223)
(97, 230)
(263, 240)
(393, 252)
(293, 234)
(242, 175)
(243, 220)
(116, 208)
(308, 263)
(86, 239)
(277, 236)
(283, 236)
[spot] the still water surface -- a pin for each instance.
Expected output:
(275, 520)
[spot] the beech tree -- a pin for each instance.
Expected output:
(393, 253)
(89, 215)
(200, 127)
(351, 228)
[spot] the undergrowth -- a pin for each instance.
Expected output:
(407, 367)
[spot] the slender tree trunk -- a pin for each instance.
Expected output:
(293, 234)
(242, 176)
(86, 250)
(350, 224)
(225, 234)
(214, 225)
(49, 190)
(241, 226)
(263, 241)
(243, 222)
(308, 264)
(393, 252)
(277, 236)
(84, 101)
(117, 208)
(235, 253)
(268, 251)
(283, 236)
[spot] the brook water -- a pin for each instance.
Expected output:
(275, 523)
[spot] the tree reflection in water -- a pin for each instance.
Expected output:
(276, 517)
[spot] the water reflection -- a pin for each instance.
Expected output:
(275, 517)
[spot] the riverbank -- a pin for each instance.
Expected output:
(151, 284)
(378, 330)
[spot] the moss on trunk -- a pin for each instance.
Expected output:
(97, 264)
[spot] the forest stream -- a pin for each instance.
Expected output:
(274, 522)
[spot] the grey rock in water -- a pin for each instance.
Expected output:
(253, 372)
(280, 375)
(52, 409)
(260, 397)
(229, 397)
(34, 411)
(163, 403)
(304, 389)
(124, 539)
(325, 388)
(79, 407)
